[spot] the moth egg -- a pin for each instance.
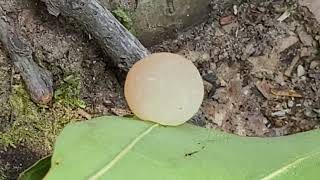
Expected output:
(164, 88)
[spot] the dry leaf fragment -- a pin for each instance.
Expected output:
(121, 112)
(305, 38)
(84, 114)
(227, 19)
(285, 43)
(267, 63)
(265, 89)
(287, 93)
(284, 16)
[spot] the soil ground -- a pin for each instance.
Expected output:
(261, 70)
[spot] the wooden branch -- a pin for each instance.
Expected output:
(117, 42)
(38, 80)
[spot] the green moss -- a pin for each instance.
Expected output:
(26, 119)
(2, 174)
(69, 92)
(124, 17)
(37, 127)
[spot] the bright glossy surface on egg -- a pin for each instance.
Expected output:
(164, 88)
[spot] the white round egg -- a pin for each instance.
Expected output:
(164, 88)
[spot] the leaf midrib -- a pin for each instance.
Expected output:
(103, 170)
(284, 169)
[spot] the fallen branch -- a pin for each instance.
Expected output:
(38, 81)
(123, 48)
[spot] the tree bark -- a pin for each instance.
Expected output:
(123, 48)
(38, 80)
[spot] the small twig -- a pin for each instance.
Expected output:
(11, 90)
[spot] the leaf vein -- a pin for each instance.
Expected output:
(289, 166)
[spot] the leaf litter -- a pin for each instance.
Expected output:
(271, 50)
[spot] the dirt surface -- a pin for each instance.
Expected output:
(261, 68)
(259, 61)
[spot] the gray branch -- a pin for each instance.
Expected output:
(38, 80)
(117, 42)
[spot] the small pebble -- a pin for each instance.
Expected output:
(207, 86)
(317, 111)
(307, 103)
(303, 78)
(223, 83)
(290, 104)
(285, 105)
(305, 52)
(305, 38)
(280, 79)
(314, 64)
(300, 71)
(235, 9)
(213, 66)
(309, 113)
(280, 113)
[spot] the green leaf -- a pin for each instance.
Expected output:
(37, 171)
(121, 148)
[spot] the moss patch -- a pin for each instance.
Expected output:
(69, 92)
(38, 126)
(2, 174)
(124, 17)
